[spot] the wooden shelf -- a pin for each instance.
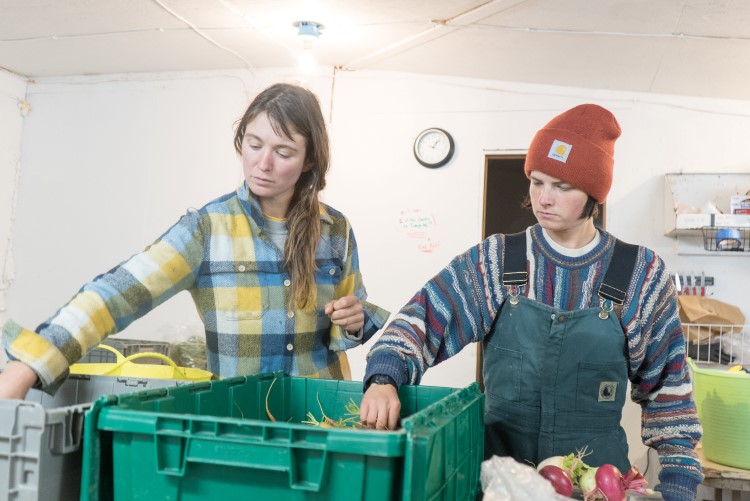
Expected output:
(699, 190)
(723, 478)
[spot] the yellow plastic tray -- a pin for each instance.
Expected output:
(124, 366)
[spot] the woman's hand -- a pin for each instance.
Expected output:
(380, 407)
(16, 380)
(347, 313)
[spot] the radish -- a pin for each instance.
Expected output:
(587, 483)
(572, 464)
(558, 478)
(553, 461)
(609, 482)
(603, 483)
(634, 481)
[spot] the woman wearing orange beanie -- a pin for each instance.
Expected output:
(567, 315)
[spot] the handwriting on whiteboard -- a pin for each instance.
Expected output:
(418, 225)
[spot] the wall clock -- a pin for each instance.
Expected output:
(434, 147)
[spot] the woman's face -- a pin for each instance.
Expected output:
(272, 164)
(556, 204)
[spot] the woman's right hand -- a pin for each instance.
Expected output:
(380, 408)
(16, 380)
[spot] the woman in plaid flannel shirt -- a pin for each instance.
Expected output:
(273, 271)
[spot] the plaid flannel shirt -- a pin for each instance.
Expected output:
(239, 285)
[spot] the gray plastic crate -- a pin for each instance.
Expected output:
(40, 437)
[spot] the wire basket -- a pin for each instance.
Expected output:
(726, 239)
(718, 344)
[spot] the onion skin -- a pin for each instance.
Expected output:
(558, 478)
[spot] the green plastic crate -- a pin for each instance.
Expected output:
(213, 440)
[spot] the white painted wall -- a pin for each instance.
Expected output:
(12, 110)
(109, 163)
(377, 116)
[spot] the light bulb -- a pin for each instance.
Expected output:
(306, 62)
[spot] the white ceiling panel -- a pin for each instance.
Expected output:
(559, 59)
(684, 47)
(607, 16)
(715, 19)
(709, 68)
(30, 19)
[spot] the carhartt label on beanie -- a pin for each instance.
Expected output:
(577, 146)
(559, 151)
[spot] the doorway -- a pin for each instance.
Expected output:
(505, 188)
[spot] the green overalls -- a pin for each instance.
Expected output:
(556, 381)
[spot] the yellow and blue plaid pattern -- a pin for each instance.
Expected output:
(237, 280)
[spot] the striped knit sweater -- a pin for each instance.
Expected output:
(459, 305)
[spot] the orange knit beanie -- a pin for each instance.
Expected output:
(577, 146)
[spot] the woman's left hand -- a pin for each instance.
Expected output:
(347, 313)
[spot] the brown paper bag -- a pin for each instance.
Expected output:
(715, 317)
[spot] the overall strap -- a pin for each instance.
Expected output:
(514, 263)
(620, 271)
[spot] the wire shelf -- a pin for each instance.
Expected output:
(718, 344)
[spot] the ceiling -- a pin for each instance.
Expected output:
(683, 47)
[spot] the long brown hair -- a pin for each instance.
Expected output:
(294, 109)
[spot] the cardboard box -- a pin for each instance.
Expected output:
(739, 204)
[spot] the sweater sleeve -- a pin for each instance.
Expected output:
(660, 378)
(109, 303)
(454, 308)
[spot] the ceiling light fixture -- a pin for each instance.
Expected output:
(308, 32)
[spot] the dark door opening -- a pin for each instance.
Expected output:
(505, 188)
